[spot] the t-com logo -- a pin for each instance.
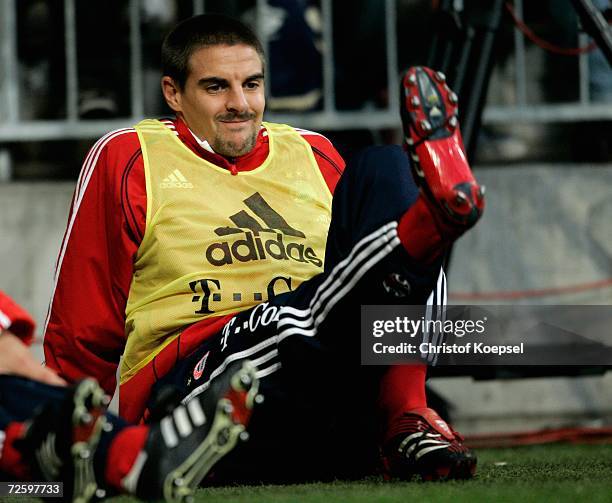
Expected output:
(208, 293)
(253, 245)
(261, 315)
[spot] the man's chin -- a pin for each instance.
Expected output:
(235, 149)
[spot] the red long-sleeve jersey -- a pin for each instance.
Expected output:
(16, 319)
(85, 329)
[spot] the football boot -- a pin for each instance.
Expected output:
(61, 440)
(421, 444)
(432, 138)
(183, 446)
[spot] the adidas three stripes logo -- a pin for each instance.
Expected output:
(182, 422)
(176, 180)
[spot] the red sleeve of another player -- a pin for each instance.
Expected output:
(329, 160)
(16, 319)
(85, 329)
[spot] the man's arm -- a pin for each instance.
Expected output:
(16, 331)
(329, 160)
(84, 334)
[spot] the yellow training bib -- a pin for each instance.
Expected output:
(217, 243)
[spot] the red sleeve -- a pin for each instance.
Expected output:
(16, 319)
(329, 160)
(85, 332)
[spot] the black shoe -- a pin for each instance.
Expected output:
(61, 440)
(424, 445)
(182, 447)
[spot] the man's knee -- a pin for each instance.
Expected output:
(384, 169)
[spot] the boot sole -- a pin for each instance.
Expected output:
(463, 203)
(88, 422)
(228, 427)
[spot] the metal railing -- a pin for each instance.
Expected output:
(15, 129)
(581, 110)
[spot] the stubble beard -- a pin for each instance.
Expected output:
(230, 148)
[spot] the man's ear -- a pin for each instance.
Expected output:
(172, 93)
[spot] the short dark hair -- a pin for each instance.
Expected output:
(202, 31)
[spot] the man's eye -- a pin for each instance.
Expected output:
(213, 88)
(252, 85)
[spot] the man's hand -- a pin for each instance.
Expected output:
(16, 359)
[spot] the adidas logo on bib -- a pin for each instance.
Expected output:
(270, 237)
(176, 180)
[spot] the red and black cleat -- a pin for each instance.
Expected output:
(422, 444)
(183, 447)
(433, 140)
(62, 438)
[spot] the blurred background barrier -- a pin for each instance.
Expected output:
(75, 69)
(536, 110)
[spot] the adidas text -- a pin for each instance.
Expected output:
(256, 248)
(176, 185)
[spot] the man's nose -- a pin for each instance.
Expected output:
(236, 100)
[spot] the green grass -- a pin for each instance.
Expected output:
(530, 474)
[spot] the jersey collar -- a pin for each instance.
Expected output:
(202, 148)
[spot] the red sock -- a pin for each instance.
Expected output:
(122, 454)
(402, 388)
(11, 461)
(423, 234)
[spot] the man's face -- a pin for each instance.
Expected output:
(223, 99)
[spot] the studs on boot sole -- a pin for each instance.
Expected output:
(99, 398)
(440, 77)
(246, 381)
(460, 199)
(85, 418)
(244, 436)
(223, 436)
